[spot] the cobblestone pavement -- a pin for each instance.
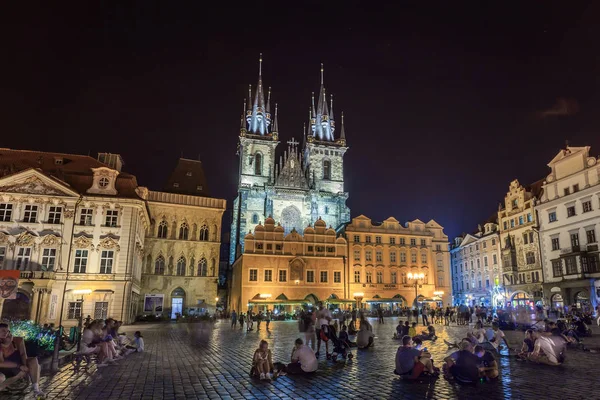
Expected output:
(197, 361)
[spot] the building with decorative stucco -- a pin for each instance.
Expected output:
(384, 258)
(285, 271)
(304, 185)
(569, 219)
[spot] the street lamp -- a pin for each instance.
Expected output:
(415, 277)
(80, 323)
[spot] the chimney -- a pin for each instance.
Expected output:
(113, 161)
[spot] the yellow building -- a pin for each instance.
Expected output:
(285, 272)
(395, 266)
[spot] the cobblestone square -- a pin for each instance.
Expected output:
(198, 361)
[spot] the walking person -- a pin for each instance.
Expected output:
(241, 319)
(234, 319)
(309, 329)
(380, 315)
(323, 318)
(249, 321)
(424, 316)
(268, 318)
(259, 319)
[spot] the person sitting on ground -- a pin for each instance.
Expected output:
(399, 329)
(262, 361)
(405, 329)
(429, 334)
(477, 335)
(410, 361)
(303, 359)
(138, 343)
(544, 351)
(412, 331)
(365, 335)
(343, 336)
(495, 336)
(488, 367)
(92, 342)
(462, 365)
(14, 363)
(527, 347)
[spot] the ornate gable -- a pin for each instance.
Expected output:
(33, 185)
(109, 243)
(291, 175)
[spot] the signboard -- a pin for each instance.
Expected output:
(153, 303)
(9, 283)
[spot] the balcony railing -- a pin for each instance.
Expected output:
(37, 275)
(570, 250)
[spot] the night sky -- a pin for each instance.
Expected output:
(443, 106)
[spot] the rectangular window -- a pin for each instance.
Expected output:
(413, 258)
(378, 239)
(571, 265)
(269, 246)
(512, 223)
(575, 241)
(282, 275)
(525, 238)
(337, 277)
(48, 259)
(575, 188)
(495, 259)
(311, 248)
(379, 277)
(485, 261)
(567, 191)
(552, 216)
(530, 258)
(440, 280)
(369, 277)
(310, 276)
(368, 255)
(5, 212)
(2, 255)
(493, 242)
(330, 249)
(112, 217)
(521, 220)
(393, 257)
(394, 277)
(356, 238)
(30, 214)
(529, 217)
(584, 264)
(356, 276)
(378, 256)
(392, 240)
(356, 255)
(484, 245)
(23, 257)
(555, 243)
(487, 283)
(85, 218)
(591, 236)
(571, 211)
(505, 225)
(413, 242)
(101, 310)
(402, 241)
(54, 214)
(477, 246)
(403, 257)
(81, 259)
(74, 310)
(587, 206)
(423, 258)
(106, 261)
(268, 275)
(368, 239)
(278, 247)
(253, 277)
(323, 276)
(423, 242)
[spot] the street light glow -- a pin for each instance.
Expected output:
(416, 276)
(82, 291)
(360, 294)
(265, 296)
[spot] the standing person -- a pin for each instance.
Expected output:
(415, 313)
(234, 318)
(424, 316)
(268, 318)
(259, 319)
(323, 318)
(241, 319)
(309, 329)
(447, 316)
(432, 315)
(14, 363)
(380, 315)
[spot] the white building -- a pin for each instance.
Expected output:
(477, 268)
(569, 217)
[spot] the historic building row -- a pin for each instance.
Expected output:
(546, 239)
(86, 238)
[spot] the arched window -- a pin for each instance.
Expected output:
(181, 266)
(255, 218)
(184, 231)
(326, 169)
(202, 267)
(204, 233)
(163, 229)
(159, 266)
(258, 164)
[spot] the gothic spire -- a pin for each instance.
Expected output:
(275, 125)
(343, 131)
(269, 101)
(322, 125)
(243, 119)
(258, 116)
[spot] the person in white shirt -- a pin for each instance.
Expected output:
(496, 336)
(544, 351)
(303, 359)
(323, 318)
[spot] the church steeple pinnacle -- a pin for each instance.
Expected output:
(258, 116)
(322, 125)
(342, 139)
(275, 124)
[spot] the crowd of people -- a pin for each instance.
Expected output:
(103, 339)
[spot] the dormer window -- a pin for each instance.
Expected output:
(515, 203)
(58, 161)
(103, 183)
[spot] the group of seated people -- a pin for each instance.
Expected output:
(303, 361)
(102, 337)
(545, 347)
(470, 364)
(403, 329)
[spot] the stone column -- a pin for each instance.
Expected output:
(34, 304)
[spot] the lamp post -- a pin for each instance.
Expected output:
(80, 323)
(415, 277)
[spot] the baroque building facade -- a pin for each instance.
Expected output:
(306, 184)
(477, 268)
(569, 217)
(519, 237)
(383, 258)
(70, 223)
(283, 271)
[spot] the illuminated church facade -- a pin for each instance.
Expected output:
(304, 184)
